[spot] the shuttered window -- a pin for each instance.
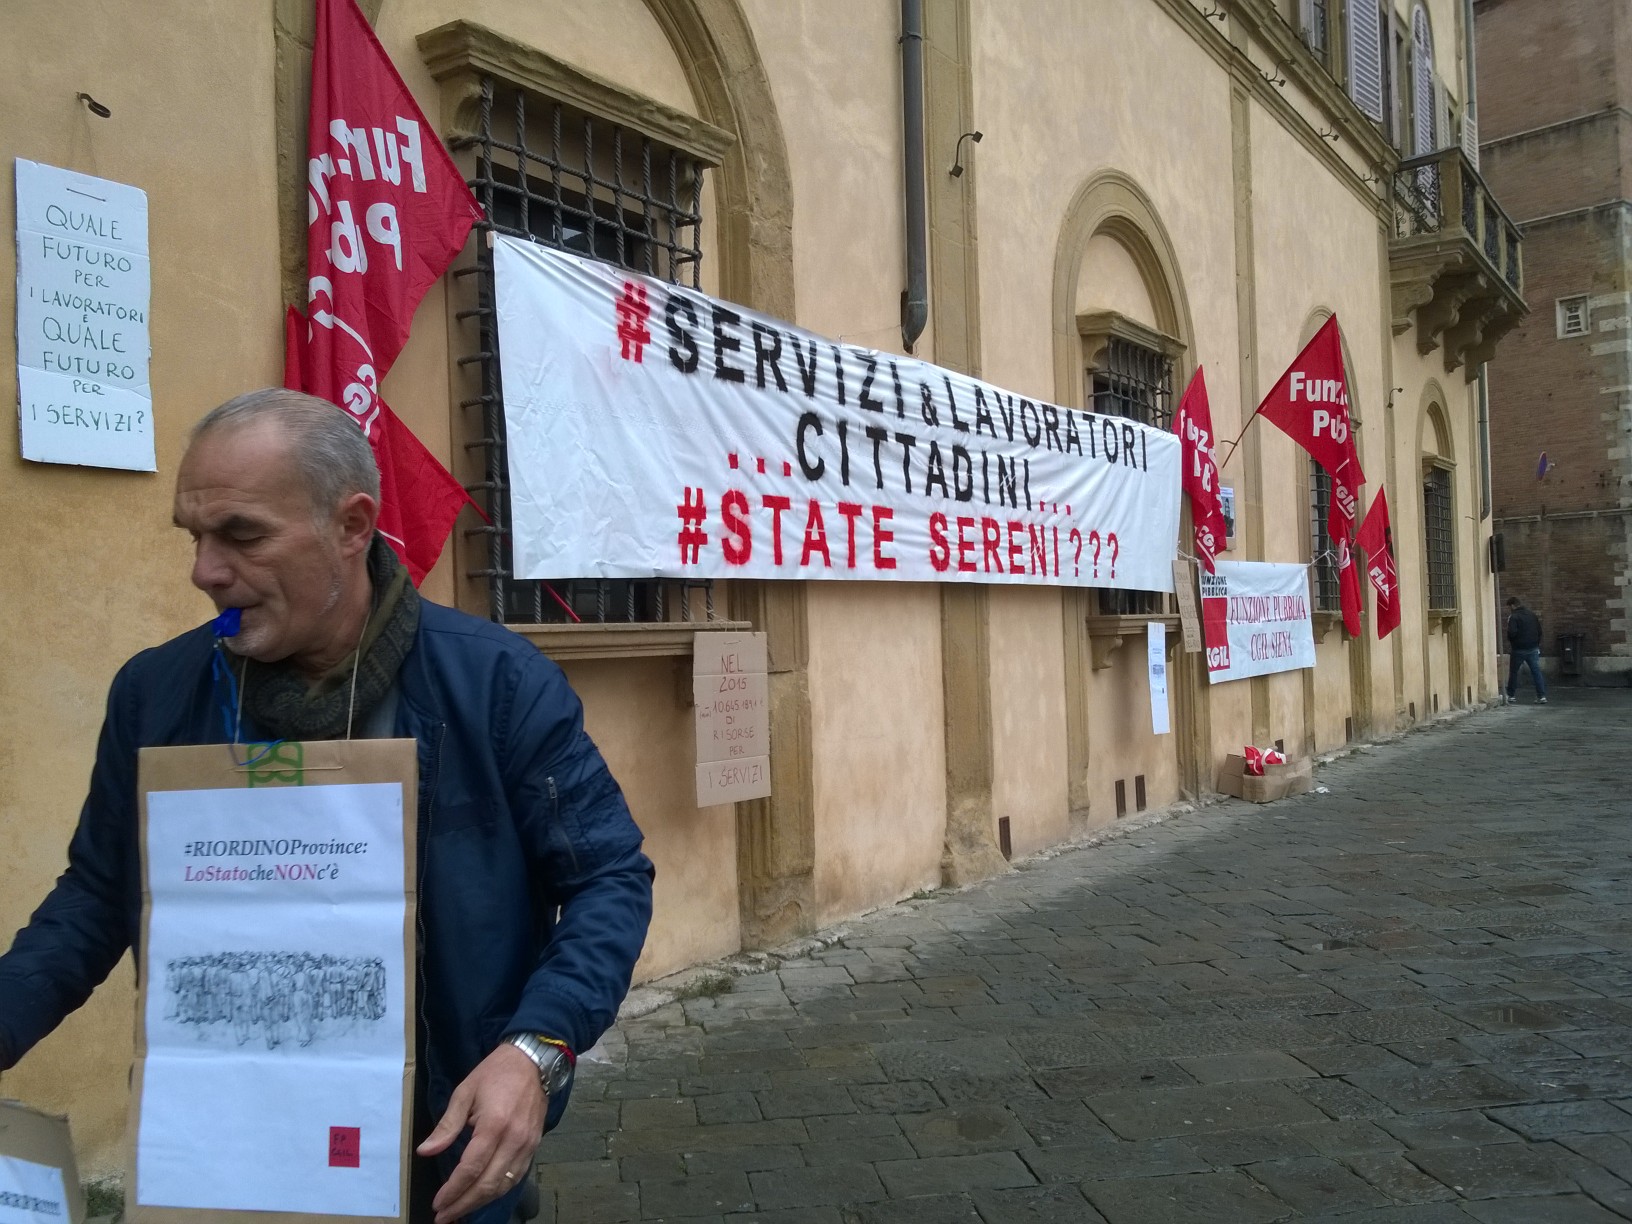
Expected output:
(1470, 135)
(1424, 94)
(1366, 50)
(1313, 16)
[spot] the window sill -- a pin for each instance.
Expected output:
(671, 640)
(1441, 619)
(1325, 622)
(1106, 634)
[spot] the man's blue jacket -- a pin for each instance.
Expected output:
(519, 822)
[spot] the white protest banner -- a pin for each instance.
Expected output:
(83, 283)
(1255, 619)
(657, 432)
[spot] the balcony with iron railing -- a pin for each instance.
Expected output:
(1454, 261)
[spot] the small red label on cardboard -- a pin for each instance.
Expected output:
(345, 1147)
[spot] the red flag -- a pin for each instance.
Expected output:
(1377, 538)
(1194, 425)
(1311, 404)
(388, 211)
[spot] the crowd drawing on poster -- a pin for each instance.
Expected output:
(279, 996)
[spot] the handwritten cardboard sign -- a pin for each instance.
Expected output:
(1184, 585)
(731, 692)
(83, 285)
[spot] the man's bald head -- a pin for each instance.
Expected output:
(329, 453)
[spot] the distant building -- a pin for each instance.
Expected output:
(1555, 85)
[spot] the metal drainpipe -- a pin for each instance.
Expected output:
(1484, 383)
(915, 298)
(1484, 442)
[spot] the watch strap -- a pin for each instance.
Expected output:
(553, 1058)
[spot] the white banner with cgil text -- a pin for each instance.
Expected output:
(654, 431)
(1255, 619)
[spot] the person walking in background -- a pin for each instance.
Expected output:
(1523, 646)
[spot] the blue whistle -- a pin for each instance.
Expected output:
(226, 625)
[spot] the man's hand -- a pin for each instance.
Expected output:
(503, 1104)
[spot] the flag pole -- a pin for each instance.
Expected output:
(1239, 436)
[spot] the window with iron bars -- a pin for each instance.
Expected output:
(1323, 566)
(1137, 383)
(578, 183)
(1439, 524)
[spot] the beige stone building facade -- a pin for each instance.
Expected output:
(1157, 184)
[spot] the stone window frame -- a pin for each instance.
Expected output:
(1439, 538)
(463, 55)
(1115, 617)
(1573, 316)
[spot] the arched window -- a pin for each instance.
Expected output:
(1323, 557)
(1439, 514)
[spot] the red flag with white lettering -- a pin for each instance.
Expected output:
(388, 211)
(1194, 425)
(1377, 538)
(1310, 404)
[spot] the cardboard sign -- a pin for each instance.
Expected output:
(1184, 585)
(731, 692)
(83, 287)
(275, 1016)
(39, 1182)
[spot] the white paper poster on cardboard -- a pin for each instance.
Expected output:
(1156, 656)
(1255, 619)
(31, 1193)
(275, 1003)
(654, 431)
(83, 287)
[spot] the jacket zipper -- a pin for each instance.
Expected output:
(555, 815)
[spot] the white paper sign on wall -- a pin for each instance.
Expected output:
(83, 285)
(1156, 659)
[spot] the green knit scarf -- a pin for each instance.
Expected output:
(283, 704)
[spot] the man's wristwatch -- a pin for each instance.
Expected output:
(553, 1062)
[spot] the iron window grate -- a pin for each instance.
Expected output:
(1137, 383)
(594, 188)
(1323, 567)
(1438, 523)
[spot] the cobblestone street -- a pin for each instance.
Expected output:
(1406, 1001)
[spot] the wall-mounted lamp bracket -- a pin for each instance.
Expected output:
(957, 153)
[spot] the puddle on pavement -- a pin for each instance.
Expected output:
(1526, 1017)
